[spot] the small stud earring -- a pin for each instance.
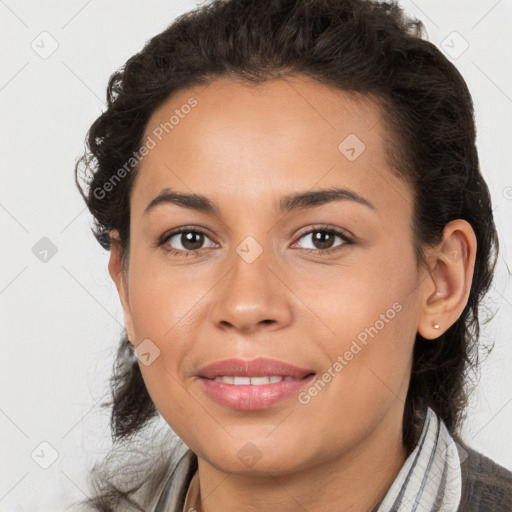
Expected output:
(436, 326)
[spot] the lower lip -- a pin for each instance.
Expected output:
(251, 397)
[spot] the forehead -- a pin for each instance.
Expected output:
(276, 137)
(282, 111)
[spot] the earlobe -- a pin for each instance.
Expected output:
(119, 278)
(446, 288)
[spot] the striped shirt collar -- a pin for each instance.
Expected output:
(430, 478)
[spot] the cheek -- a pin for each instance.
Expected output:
(372, 287)
(167, 394)
(163, 299)
(371, 313)
(166, 309)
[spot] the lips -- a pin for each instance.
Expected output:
(252, 385)
(260, 367)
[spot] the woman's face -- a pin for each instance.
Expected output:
(259, 285)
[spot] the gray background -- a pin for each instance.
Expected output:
(60, 314)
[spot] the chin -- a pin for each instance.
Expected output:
(248, 460)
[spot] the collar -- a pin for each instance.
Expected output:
(430, 477)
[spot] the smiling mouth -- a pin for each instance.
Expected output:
(253, 393)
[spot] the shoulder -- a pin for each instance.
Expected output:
(485, 484)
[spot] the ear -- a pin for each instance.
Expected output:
(446, 288)
(121, 282)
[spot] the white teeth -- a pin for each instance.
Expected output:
(254, 381)
(227, 380)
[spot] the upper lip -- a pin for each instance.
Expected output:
(259, 367)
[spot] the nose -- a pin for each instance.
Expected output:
(253, 296)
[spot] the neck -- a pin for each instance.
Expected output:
(354, 480)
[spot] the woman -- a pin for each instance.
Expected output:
(300, 237)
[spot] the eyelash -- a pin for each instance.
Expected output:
(318, 229)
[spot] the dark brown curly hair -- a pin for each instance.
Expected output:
(364, 47)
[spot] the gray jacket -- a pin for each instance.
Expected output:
(486, 486)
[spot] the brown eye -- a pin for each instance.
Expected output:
(191, 240)
(324, 239)
(185, 241)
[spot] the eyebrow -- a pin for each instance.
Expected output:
(295, 201)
